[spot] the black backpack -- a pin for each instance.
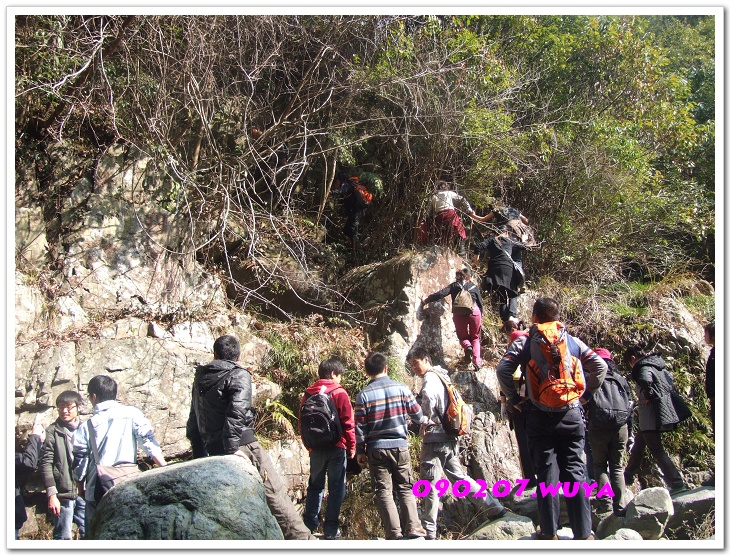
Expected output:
(612, 404)
(319, 421)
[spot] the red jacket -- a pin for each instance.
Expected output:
(344, 409)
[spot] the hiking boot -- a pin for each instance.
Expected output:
(337, 536)
(468, 353)
(541, 536)
(477, 366)
(678, 489)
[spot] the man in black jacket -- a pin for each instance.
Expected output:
(656, 415)
(64, 504)
(25, 464)
(221, 423)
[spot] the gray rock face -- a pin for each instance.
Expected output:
(396, 287)
(648, 513)
(690, 508)
(509, 527)
(218, 498)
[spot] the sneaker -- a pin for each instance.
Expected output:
(590, 537)
(541, 536)
(337, 536)
(500, 514)
(477, 367)
(678, 489)
(414, 533)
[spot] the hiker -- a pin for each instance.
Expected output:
(504, 277)
(553, 413)
(221, 423)
(355, 198)
(440, 448)
(446, 222)
(25, 465)
(65, 506)
(466, 308)
(381, 431)
(111, 435)
(516, 419)
(328, 461)
(656, 415)
(609, 418)
(511, 220)
(710, 371)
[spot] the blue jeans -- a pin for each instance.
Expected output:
(330, 464)
(71, 511)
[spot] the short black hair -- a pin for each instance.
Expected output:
(227, 347)
(546, 309)
(634, 351)
(710, 329)
(70, 396)
(104, 387)
(375, 363)
(418, 353)
(329, 368)
(466, 272)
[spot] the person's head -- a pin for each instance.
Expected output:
(710, 333)
(376, 364)
(68, 403)
(545, 310)
(632, 354)
(419, 360)
(227, 347)
(102, 388)
(466, 272)
(256, 131)
(331, 369)
(442, 185)
(605, 354)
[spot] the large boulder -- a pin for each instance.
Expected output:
(509, 527)
(624, 534)
(217, 498)
(649, 512)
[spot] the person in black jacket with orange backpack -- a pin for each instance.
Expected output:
(221, 423)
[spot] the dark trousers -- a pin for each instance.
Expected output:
(608, 447)
(652, 440)
(519, 423)
(555, 440)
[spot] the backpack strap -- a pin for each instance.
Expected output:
(447, 398)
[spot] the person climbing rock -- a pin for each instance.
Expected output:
(446, 224)
(467, 315)
(504, 278)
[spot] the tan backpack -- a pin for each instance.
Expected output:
(463, 302)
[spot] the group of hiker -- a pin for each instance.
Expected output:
(549, 380)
